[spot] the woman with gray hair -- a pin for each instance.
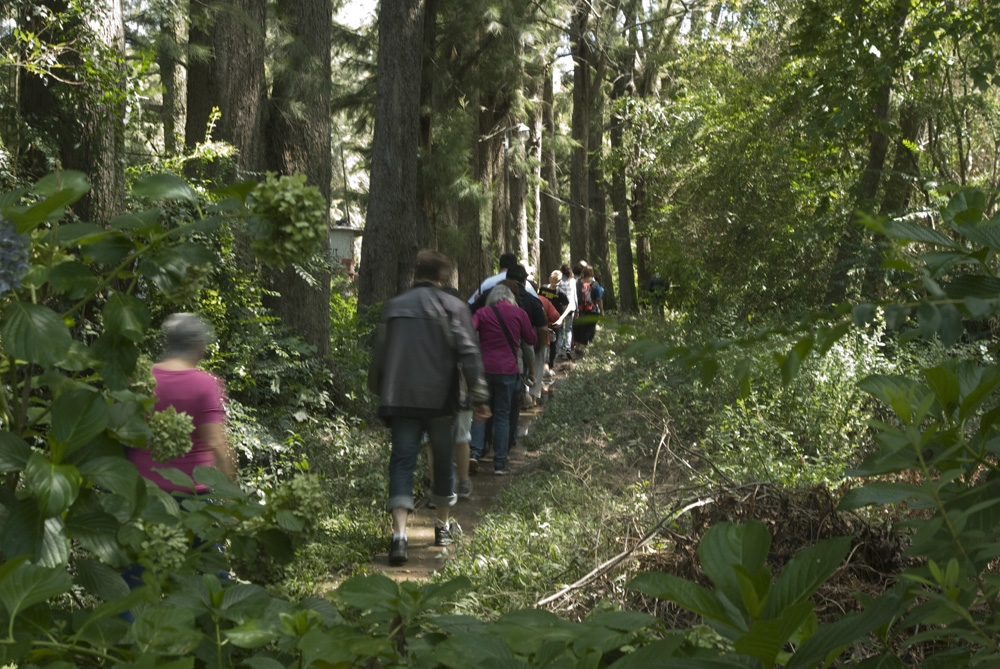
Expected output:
(502, 328)
(181, 385)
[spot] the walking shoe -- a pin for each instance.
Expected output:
(501, 472)
(465, 488)
(473, 465)
(446, 535)
(397, 552)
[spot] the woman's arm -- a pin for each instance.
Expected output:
(214, 436)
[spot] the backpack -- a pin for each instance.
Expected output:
(586, 298)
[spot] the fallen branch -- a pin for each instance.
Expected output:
(601, 569)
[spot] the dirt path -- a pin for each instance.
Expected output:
(425, 557)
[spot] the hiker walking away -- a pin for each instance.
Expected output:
(561, 304)
(507, 260)
(567, 287)
(658, 287)
(591, 304)
(181, 385)
(502, 328)
(425, 339)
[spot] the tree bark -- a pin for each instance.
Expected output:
(299, 143)
(232, 80)
(550, 246)
(535, 149)
(619, 203)
(171, 78)
(600, 250)
(579, 214)
(390, 243)
(85, 124)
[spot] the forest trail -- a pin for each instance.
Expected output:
(425, 557)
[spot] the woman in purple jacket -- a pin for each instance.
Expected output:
(500, 361)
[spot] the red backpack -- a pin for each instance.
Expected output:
(587, 298)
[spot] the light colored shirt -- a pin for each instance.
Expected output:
(568, 288)
(489, 282)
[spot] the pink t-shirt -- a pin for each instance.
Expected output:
(497, 356)
(199, 395)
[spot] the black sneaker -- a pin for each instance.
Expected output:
(446, 536)
(397, 552)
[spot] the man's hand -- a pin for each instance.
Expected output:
(481, 413)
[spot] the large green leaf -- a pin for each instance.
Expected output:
(726, 545)
(113, 474)
(972, 285)
(100, 579)
(77, 417)
(27, 533)
(767, 637)
(34, 333)
(914, 232)
(879, 494)
(691, 596)
(985, 233)
(28, 584)
(54, 486)
(77, 234)
(126, 316)
(804, 573)
(96, 531)
(369, 593)
(166, 629)
(72, 278)
(111, 249)
(165, 187)
(119, 355)
(847, 630)
(943, 381)
(653, 655)
(14, 452)
(220, 484)
(965, 206)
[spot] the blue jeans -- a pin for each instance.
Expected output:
(566, 335)
(406, 433)
(502, 388)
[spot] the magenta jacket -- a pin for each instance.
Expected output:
(497, 356)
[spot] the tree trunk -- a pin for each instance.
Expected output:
(619, 203)
(600, 250)
(550, 246)
(426, 233)
(299, 143)
(390, 243)
(535, 149)
(172, 79)
(232, 79)
(84, 123)
(850, 248)
(579, 218)
(642, 248)
(104, 121)
(896, 195)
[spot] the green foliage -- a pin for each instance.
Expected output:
(289, 219)
(170, 434)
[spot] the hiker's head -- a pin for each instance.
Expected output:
(555, 276)
(518, 273)
(588, 273)
(500, 293)
(507, 260)
(186, 336)
(567, 271)
(432, 266)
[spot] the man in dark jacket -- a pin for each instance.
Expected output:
(424, 341)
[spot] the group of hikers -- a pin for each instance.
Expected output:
(460, 371)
